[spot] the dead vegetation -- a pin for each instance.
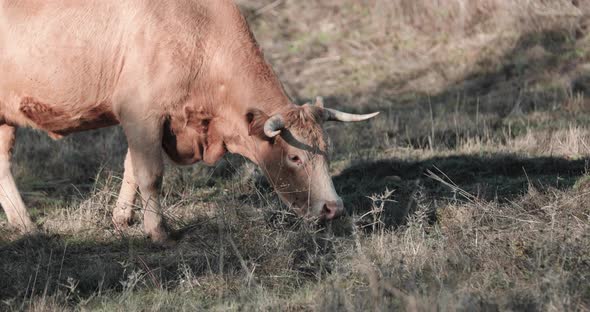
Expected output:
(471, 192)
(392, 47)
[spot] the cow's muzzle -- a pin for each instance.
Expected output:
(332, 209)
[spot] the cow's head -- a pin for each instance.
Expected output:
(293, 153)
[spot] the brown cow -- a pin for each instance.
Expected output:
(184, 75)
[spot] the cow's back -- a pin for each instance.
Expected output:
(62, 61)
(55, 46)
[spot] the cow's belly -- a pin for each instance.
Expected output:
(56, 120)
(59, 68)
(61, 122)
(57, 101)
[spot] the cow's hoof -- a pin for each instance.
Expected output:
(122, 221)
(29, 228)
(163, 238)
(30, 231)
(121, 224)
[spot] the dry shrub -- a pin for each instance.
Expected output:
(571, 143)
(522, 255)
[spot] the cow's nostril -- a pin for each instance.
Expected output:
(330, 210)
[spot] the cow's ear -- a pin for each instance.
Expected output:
(256, 120)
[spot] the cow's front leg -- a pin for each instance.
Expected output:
(10, 198)
(123, 212)
(145, 150)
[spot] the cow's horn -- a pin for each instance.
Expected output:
(273, 126)
(335, 115)
(319, 101)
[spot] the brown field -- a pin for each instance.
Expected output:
(470, 192)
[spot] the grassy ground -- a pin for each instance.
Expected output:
(470, 192)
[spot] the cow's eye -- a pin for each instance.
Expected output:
(294, 159)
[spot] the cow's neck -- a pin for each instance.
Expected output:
(238, 80)
(251, 92)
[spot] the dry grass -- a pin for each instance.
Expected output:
(355, 48)
(471, 191)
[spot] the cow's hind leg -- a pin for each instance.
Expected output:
(10, 198)
(123, 212)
